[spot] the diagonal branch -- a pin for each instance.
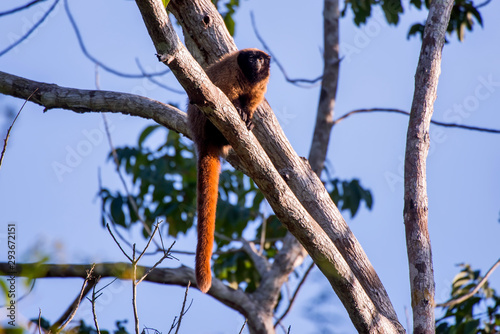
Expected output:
(95, 60)
(222, 114)
(297, 173)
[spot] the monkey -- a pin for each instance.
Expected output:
(242, 76)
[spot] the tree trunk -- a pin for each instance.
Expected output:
(417, 146)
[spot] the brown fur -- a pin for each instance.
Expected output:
(243, 77)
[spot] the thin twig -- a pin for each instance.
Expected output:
(311, 266)
(311, 82)
(181, 314)
(20, 8)
(95, 60)
(116, 241)
(79, 299)
(243, 327)
(403, 112)
(29, 32)
(149, 242)
(39, 321)
(474, 291)
(10, 128)
(134, 290)
(156, 82)
(122, 179)
(94, 298)
(165, 255)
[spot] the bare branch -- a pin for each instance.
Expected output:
(261, 263)
(53, 96)
(290, 303)
(182, 313)
(92, 301)
(156, 82)
(119, 246)
(120, 175)
(30, 31)
(236, 299)
(10, 128)
(95, 60)
(454, 302)
(296, 82)
(74, 306)
(165, 256)
(403, 112)
(243, 327)
(20, 8)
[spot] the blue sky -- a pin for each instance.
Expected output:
(59, 214)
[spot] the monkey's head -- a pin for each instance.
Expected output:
(254, 64)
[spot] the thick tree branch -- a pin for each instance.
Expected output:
(284, 203)
(52, 96)
(306, 186)
(235, 299)
(417, 146)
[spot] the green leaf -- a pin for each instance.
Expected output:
(116, 210)
(147, 131)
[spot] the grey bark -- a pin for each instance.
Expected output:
(417, 146)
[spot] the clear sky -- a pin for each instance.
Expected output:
(58, 214)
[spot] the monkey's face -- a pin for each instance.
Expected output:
(254, 64)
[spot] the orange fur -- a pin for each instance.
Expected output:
(208, 184)
(245, 88)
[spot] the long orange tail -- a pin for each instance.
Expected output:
(208, 185)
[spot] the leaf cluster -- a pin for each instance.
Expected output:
(463, 15)
(477, 314)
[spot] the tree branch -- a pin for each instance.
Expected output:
(403, 112)
(417, 146)
(87, 54)
(284, 203)
(454, 302)
(235, 299)
(296, 82)
(30, 31)
(53, 96)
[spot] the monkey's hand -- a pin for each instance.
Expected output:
(244, 116)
